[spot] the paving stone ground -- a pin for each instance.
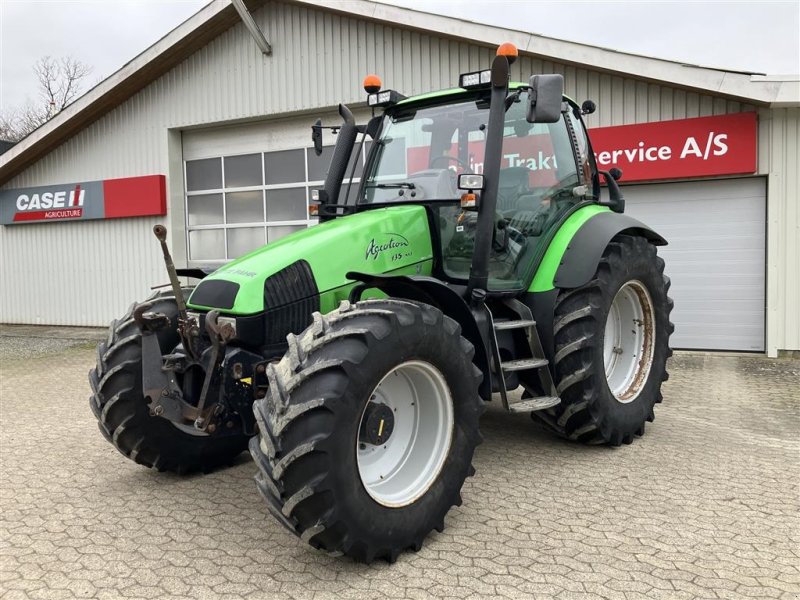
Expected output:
(706, 505)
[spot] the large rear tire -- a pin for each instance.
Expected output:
(611, 347)
(122, 412)
(368, 430)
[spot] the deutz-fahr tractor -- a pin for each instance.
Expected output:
(479, 256)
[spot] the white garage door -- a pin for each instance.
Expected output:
(248, 185)
(715, 258)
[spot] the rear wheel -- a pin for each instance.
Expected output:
(611, 347)
(368, 431)
(122, 410)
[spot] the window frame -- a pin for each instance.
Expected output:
(306, 185)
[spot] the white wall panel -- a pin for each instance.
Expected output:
(76, 273)
(779, 141)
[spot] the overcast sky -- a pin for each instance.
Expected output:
(749, 36)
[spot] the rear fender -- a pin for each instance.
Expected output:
(582, 255)
(578, 264)
(431, 291)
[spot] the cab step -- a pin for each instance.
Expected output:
(533, 404)
(523, 364)
(505, 325)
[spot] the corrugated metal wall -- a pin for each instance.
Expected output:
(779, 140)
(318, 60)
(76, 273)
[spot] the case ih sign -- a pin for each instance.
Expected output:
(701, 147)
(108, 199)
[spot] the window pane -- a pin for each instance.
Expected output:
(243, 240)
(318, 165)
(349, 197)
(245, 207)
(207, 244)
(276, 233)
(284, 167)
(286, 205)
(241, 171)
(205, 209)
(204, 174)
(359, 162)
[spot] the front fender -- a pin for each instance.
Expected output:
(432, 291)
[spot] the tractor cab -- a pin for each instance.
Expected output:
(425, 146)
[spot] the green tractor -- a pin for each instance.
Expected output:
(478, 256)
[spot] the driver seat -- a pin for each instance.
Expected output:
(514, 182)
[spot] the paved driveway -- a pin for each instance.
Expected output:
(704, 506)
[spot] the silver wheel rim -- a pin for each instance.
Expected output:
(400, 471)
(629, 341)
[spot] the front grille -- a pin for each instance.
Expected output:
(290, 297)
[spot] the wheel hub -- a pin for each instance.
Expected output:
(377, 424)
(405, 434)
(629, 341)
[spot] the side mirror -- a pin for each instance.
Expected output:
(588, 107)
(544, 98)
(316, 136)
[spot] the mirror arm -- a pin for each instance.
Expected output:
(616, 201)
(333, 128)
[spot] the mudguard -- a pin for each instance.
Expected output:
(579, 261)
(578, 264)
(444, 297)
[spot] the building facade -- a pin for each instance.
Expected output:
(224, 130)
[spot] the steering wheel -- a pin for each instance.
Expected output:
(448, 157)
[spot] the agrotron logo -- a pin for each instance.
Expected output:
(395, 243)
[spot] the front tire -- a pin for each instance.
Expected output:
(122, 411)
(324, 474)
(611, 347)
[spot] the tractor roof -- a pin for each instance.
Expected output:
(453, 92)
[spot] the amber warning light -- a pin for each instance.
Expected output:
(508, 50)
(372, 84)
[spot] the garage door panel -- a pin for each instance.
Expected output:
(699, 269)
(709, 239)
(715, 258)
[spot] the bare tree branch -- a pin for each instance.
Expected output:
(59, 84)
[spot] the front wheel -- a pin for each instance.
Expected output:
(122, 411)
(368, 431)
(611, 347)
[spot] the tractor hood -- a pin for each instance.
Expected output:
(386, 240)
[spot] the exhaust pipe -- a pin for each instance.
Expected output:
(339, 161)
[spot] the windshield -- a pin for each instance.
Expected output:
(421, 151)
